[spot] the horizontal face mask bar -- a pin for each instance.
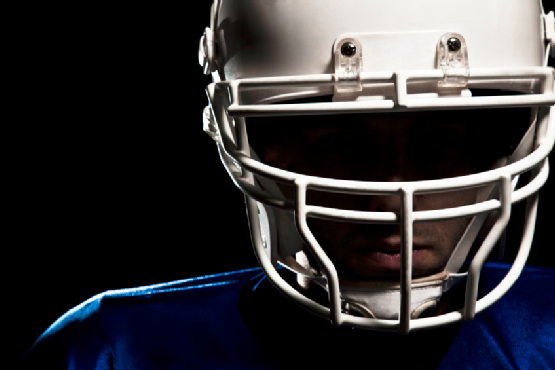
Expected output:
(402, 101)
(334, 214)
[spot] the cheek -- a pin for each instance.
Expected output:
(445, 234)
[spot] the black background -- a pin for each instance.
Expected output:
(115, 184)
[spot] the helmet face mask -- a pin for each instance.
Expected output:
(383, 179)
(413, 146)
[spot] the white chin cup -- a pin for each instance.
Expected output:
(381, 300)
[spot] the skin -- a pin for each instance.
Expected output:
(385, 147)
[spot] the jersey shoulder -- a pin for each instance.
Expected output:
(517, 331)
(190, 323)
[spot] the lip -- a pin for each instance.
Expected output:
(388, 247)
(383, 255)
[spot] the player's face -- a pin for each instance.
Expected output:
(384, 147)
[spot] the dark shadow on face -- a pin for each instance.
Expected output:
(387, 147)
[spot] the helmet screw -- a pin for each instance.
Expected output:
(348, 49)
(454, 44)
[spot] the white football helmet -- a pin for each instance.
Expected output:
(379, 56)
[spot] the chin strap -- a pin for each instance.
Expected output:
(381, 300)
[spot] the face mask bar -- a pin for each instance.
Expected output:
(402, 101)
(234, 151)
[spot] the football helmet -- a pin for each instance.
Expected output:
(380, 56)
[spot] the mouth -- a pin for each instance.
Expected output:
(387, 256)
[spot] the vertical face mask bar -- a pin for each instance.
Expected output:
(240, 130)
(220, 106)
(310, 241)
(520, 260)
(406, 259)
(271, 273)
(479, 259)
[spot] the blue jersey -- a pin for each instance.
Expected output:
(237, 320)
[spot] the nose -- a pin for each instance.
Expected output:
(389, 203)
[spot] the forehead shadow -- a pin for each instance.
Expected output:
(274, 129)
(402, 121)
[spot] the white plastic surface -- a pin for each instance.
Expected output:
(293, 38)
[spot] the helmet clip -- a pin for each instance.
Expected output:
(452, 58)
(348, 65)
